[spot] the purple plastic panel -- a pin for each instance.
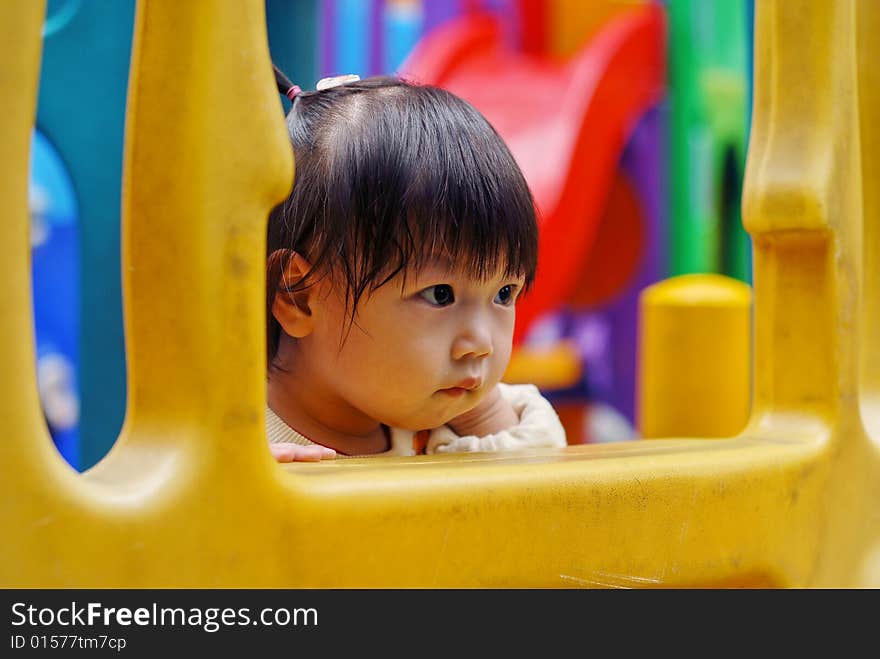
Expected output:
(607, 337)
(327, 52)
(440, 11)
(376, 55)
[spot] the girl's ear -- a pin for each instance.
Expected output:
(291, 309)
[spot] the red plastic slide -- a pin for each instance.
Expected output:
(566, 123)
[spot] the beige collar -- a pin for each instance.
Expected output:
(278, 432)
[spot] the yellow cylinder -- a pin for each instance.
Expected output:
(694, 362)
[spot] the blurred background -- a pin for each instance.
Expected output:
(629, 119)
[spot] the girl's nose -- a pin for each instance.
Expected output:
(475, 342)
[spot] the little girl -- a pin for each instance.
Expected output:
(393, 270)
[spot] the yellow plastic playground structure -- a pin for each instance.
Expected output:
(190, 497)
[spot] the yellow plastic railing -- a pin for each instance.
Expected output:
(189, 495)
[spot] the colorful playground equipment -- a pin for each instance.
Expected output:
(372, 37)
(189, 495)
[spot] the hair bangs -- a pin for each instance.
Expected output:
(427, 177)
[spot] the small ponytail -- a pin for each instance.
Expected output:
(285, 86)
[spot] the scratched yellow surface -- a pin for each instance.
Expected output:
(189, 495)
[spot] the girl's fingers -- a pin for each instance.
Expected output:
(297, 453)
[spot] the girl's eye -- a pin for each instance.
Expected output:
(440, 295)
(505, 295)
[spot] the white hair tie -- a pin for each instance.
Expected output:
(335, 81)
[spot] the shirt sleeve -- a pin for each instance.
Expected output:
(539, 426)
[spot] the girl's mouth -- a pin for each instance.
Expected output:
(465, 386)
(455, 391)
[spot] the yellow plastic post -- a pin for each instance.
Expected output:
(803, 206)
(190, 496)
(869, 100)
(694, 362)
(25, 445)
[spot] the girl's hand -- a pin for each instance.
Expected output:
(298, 453)
(493, 414)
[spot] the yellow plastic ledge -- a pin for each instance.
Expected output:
(190, 496)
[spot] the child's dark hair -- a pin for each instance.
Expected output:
(388, 175)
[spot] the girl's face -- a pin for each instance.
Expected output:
(420, 351)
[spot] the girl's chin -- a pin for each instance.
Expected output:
(437, 410)
(429, 421)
